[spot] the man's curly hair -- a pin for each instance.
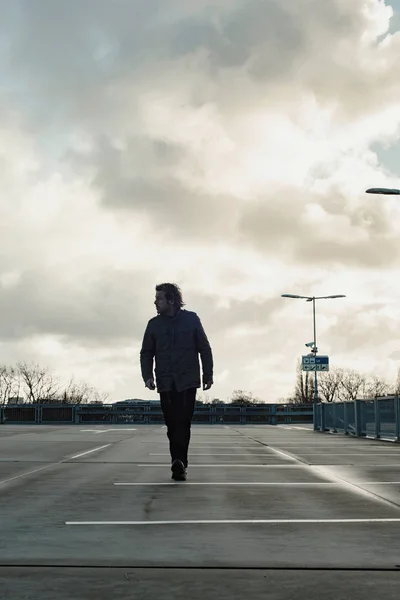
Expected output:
(172, 292)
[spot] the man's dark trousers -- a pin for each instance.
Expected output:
(178, 409)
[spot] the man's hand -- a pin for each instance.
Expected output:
(207, 384)
(150, 384)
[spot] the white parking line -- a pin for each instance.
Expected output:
(209, 446)
(123, 429)
(234, 522)
(287, 446)
(27, 473)
(303, 439)
(107, 430)
(247, 465)
(281, 453)
(249, 454)
(360, 442)
(294, 427)
(248, 484)
(262, 483)
(348, 454)
(321, 468)
(377, 482)
(89, 451)
(49, 466)
(228, 443)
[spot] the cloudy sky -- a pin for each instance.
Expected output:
(224, 145)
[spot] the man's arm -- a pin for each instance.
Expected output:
(147, 354)
(204, 348)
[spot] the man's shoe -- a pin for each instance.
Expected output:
(178, 471)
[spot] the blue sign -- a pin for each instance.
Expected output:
(315, 363)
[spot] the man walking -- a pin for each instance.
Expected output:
(175, 337)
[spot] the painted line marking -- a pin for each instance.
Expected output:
(281, 453)
(107, 430)
(89, 452)
(327, 448)
(249, 454)
(251, 483)
(378, 482)
(345, 454)
(123, 429)
(358, 444)
(234, 522)
(210, 446)
(27, 473)
(262, 483)
(247, 465)
(320, 468)
(48, 466)
(216, 445)
(303, 428)
(310, 428)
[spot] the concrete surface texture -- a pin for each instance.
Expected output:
(91, 512)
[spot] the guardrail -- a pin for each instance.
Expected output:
(375, 418)
(268, 414)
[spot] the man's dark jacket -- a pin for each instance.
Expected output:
(176, 342)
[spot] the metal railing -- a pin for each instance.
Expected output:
(375, 418)
(268, 414)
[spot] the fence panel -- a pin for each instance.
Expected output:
(57, 414)
(294, 413)
(374, 418)
(387, 418)
(319, 418)
(329, 416)
(20, 414)
(350, 417)
(152, 413)
(339, 423)
(95, 417)
(368, 418)
(126, 418)
(229, 414)
(258, 414)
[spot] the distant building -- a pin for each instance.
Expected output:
(135, 402)
(16, 400)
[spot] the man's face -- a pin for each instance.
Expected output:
(161, 303)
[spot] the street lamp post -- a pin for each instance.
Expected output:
(315, 349)
(386, 191)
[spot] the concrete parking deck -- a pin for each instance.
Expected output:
(91, 512)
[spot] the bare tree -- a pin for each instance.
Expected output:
(353, 386)
(40, 385)
(376, 387)
(200, 398)
(304, 391)
(10, 384)
(99, 397)
(76, 393)
(329, 383)
(81, 393)
(239, 397)
(396, 386)
(287, 400)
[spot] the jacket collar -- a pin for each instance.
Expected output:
(176, 315)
